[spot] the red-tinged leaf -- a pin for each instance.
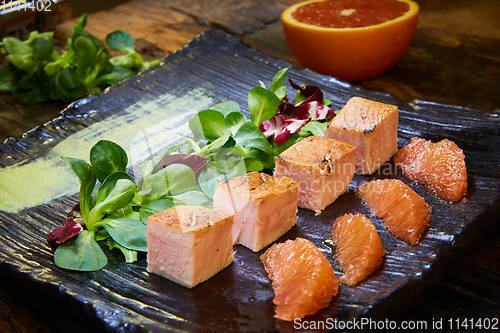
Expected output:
(75, 208)
(195, 162)
(290, 118)
(68, 230)
(286, 107)
(312, 93)
(313, 110)
(280, 127)
(282, 137)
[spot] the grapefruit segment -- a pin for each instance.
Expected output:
(440, 167)
(303, 280)
(404, 212)
(359, 250)
(350, 39)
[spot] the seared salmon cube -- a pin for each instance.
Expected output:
(323, 167)
(369, 125)
(264, 207)
(189, 244)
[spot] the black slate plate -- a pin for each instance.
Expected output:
(126, 298)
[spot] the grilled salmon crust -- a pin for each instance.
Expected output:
(253, 199)
(439, 166)
(323, 167)
(369, 125)
(404, 212)
(359, 250)
(303, 280)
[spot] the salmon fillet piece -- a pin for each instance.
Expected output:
(303, 279)
(189, 244)
(369, 125)
(404, 212)
(439, 166)
(264, 207)
(359, 250)
(323, 168)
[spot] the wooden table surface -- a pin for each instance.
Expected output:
(454, 59)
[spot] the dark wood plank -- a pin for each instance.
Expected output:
(477, 18)
(15, 317)
(16, 119)
(470, 287)
(439, 65)
(153, 21)
(447, 68)
(235, 16)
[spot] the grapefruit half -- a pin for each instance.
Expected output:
(350, 39)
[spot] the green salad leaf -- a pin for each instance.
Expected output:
(121, 40)
(227, 107)
(192, 198)
(208, 179)
(14, 46)
(109, 184)
(234, 121)
(209, 124)
(314, 127)
(109, 216)
(107, 157)
(81, 254)
(85, 174)
(174, 179)
(130, 255)
(82, 20)
(248, 135)
(129, 233)
(262, 104)
(120, 196)
(6, 79)
(37, 72)
(278, 80)
(130, 60)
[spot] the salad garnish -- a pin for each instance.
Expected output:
(113, 206)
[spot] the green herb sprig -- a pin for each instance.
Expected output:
(106, 210)
(37, 72)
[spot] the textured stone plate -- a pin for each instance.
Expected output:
(213, 68)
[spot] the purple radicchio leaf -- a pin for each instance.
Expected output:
(313, 110)
(67, 231)
(290, 118)
(76, 208)
(195, 162)
(286, 107)
(311, 93)
(62, 234)
(280, 127)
